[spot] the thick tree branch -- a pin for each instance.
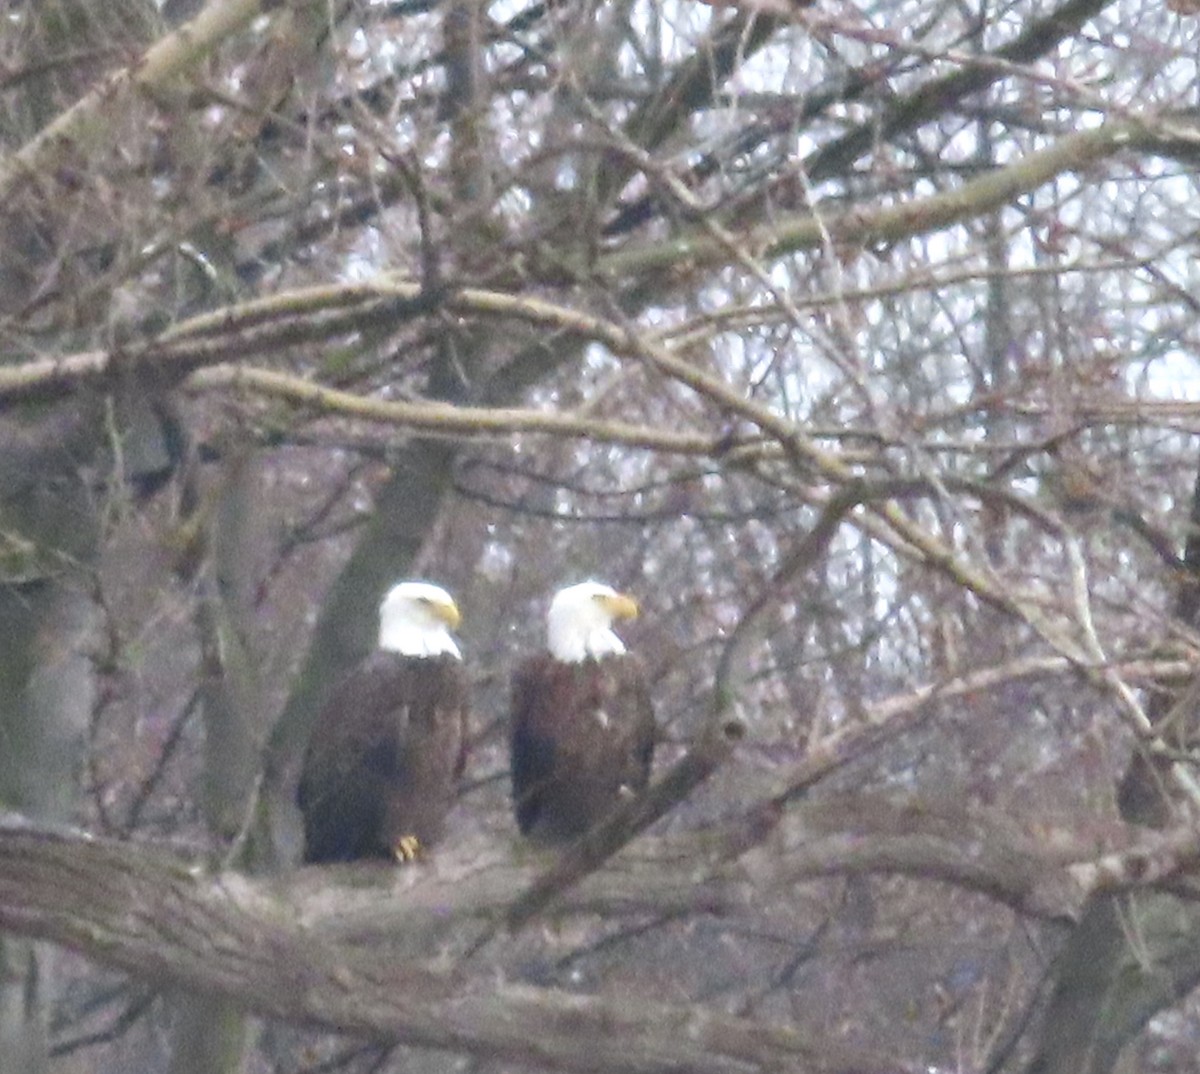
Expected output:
(158, 918)
(320, 313)
(460, 422)
(153, 917)
(90, 120)
(935, 97)
(920, 216)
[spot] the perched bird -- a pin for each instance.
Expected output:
(389, 745)
(582, 731)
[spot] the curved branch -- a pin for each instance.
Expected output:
(139, 911)
(318, 313)
(919, 216)
(447, 419)
(936, 96)
(90, 119)
(152, 914)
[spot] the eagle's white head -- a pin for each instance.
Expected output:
(580, 621)
(415, 619)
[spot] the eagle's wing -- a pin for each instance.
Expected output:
(645, 730)
(356, 749)
(531, 749)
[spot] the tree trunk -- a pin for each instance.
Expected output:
(209, 1033)
(45, 705)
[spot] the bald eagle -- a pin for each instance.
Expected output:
(582, 730)
(389, 745)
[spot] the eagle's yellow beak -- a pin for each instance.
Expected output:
(447, 612)
(619, 606)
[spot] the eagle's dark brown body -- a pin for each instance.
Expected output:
(385, 757)
(580, 733)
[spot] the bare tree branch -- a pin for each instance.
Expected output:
(91, 118)
(160, 921)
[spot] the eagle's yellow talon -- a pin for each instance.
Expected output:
(388, 746)
(408, 848)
